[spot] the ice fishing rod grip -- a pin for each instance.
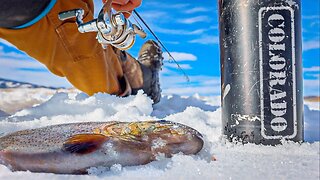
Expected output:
(261, 70)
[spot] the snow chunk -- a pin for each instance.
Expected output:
(158, 143)
(65, 108)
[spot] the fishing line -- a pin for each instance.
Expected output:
(155, 36)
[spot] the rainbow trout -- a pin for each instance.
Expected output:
(73, 148)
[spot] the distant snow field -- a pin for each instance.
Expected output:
(218, 159)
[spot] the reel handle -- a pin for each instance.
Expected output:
(78, 14)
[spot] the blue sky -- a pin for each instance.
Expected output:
(189, 29)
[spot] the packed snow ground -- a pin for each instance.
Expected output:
(218, 159)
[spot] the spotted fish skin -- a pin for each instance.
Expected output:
(73, 148)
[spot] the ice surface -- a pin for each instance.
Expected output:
(217, 160)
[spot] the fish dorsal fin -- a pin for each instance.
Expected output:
(84, 143)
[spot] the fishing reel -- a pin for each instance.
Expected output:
(112, 27)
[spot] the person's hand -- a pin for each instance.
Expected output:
(125, 6)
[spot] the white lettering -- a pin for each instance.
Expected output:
(276, 95)
(276, 35)
(277, 62)
(277, 78)
(276, 47)
(279, 124)
(276, 20)
(277, 74)
(279, 109)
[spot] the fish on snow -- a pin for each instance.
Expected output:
(73, 148)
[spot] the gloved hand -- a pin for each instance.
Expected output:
(125, 5)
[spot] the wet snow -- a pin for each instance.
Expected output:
(218, 159)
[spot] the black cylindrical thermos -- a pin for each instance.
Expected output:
(261, 70)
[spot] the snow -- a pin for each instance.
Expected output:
(13, 99)
(218, 159)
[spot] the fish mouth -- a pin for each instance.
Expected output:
(183, 138)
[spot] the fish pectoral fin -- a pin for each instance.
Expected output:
(84, 143)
